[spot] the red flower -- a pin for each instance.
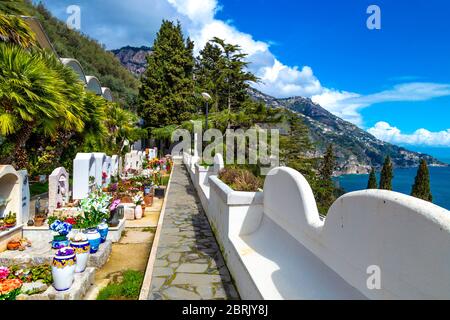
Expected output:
(72, 221)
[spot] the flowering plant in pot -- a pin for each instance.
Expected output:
(62, 229)
(10, 220)
(9, 288)
(95, 210)
(39, 219)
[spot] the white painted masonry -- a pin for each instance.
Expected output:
(83, 168)
(277, 246)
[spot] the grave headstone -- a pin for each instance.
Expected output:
(83, 175)
(107, 170)
(100, 159)
(58, 189)
(114, 165)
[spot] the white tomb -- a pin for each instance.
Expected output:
(134, 160)
(140, 159)
(24, 182)
(58, 189)
(128, 161)
(83, 169)
(114, 165)
(100, 159)
(11, 202)
(107, 170)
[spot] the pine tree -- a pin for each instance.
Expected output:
(386, 174)
(166, 94)
(372, 184)
(295, 145)
(421, 187)
(221, 70)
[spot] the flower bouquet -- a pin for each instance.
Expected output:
(96, 208)
(9, 288)
(63, 229)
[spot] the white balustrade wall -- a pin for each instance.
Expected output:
(373, 244)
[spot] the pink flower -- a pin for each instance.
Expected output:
(4, 273)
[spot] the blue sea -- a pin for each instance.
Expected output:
(403, 181)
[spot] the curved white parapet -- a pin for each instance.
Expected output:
(107, 94)
(93, 84)
(373, 244)
(76, 66)
(406, 238)
(218, 163)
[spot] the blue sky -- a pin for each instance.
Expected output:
(393, 82)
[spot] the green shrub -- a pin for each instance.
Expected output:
(128, 289)
(240, 179)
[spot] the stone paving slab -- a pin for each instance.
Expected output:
(189, 264)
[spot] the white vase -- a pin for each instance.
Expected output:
(63, 271)
(138, 212)
(82, 252)
(94, 239)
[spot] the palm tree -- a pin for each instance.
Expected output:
(15, 30)
(13, 7)
(31, 95)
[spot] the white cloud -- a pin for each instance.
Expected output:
(277, 79)
(348, 105)
(384, 131)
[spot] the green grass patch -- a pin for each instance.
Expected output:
(128, 289)
(38, 188)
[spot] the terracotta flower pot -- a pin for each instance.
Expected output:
(148, 200)
(13, 245)
(39, 221)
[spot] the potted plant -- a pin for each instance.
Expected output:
(63, 268)
(62, 229)
(138, 200)
(10, 220)
(80, 244)
(39, 219)
(95, 209)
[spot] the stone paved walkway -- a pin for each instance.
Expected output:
(189, 264)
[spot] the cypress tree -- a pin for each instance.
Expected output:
(166, 95)
(386, 174)
(421, 187)
(372, 184)
(328, 165)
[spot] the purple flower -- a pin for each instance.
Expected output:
(114, 205)
(65, 252)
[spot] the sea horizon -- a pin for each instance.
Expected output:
(403, 181)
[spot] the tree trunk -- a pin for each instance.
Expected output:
(19, 159)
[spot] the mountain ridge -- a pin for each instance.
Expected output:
(356, 149)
